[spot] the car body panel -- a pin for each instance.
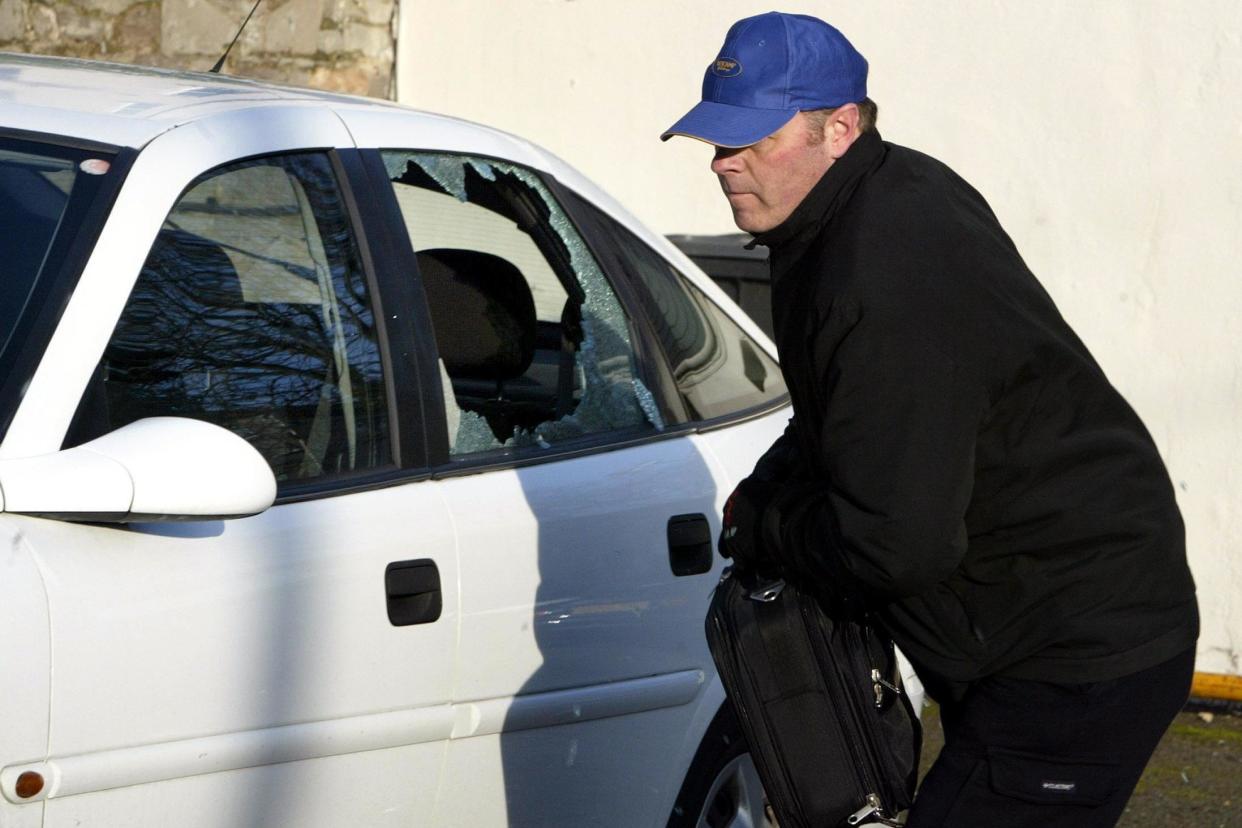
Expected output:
(191, 648)
(124, 105)
(596, 605)
(373, 127)
(25, 652)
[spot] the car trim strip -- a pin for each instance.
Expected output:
(581, 704)
(68, 141)
(122, 767)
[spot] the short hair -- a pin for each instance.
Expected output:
(868, 114)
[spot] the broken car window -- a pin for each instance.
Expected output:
(534, 342)
(719, 370)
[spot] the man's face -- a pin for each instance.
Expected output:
(766, 181)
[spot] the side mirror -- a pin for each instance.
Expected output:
(160, 468)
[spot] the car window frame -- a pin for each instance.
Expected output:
(587, 216)
(71, 252)
(442, 463)
(407, 456)
(402, 359)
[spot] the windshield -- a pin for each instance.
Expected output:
(46, 197)
(34, 190)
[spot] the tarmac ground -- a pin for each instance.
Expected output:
(1194, 780)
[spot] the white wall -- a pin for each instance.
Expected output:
(1106, 134)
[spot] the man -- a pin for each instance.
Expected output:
(956, 459)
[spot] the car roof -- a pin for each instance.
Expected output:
(124, 105)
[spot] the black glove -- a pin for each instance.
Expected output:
(741, 534)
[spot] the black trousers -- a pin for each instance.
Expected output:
(1030, 754)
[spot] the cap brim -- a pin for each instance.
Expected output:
(726, 125)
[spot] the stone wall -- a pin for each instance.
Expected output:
(340, 45)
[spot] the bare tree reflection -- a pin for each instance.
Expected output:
(252, 312)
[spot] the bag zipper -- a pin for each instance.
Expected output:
(873, 810)
(868, 762)
(881, 763)
(878, 685)
(858, 751)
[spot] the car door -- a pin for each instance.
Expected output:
(585, 526)
(290, 668)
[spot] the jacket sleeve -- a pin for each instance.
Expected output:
(782, 462)
(885, 511)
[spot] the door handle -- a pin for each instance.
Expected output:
(689, 544)
(413, 591)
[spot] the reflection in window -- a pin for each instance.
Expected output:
(534, 344)
(251, 312)
(718, 369)
(738, 375)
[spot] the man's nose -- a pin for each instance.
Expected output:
(726, 159)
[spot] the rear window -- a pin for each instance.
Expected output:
(46, 194)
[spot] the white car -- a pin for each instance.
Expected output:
(359, 466)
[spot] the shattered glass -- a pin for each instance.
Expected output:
(473, 434)
(445, 170)
(484, 169)
(612, 395)
(647, 402)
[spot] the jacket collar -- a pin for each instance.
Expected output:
(827, 196)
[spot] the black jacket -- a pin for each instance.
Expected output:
(956, 455)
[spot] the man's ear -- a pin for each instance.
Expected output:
(842, 129)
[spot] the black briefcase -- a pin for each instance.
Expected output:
(835, 740)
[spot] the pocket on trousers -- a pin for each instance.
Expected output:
(1048, 780)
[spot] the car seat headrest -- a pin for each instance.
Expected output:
(483, 313)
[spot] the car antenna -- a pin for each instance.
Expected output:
(215, 70)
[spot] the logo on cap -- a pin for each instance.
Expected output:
(726, 68)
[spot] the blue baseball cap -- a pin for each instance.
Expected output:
(771, 67)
